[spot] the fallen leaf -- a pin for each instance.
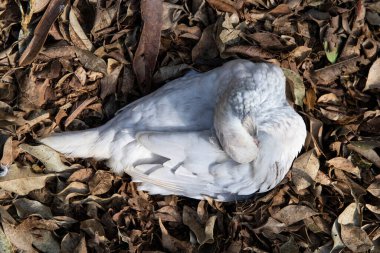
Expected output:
(101, 182)
(338, 242)
(104, 18)
(203, 232)
(77, 28)
(79, 109)
(22, 181)
(51, 13)
(251, 51)
(330, 73)
(32, 236)
(5, 244)
(144, 61)
(373, 79)
(355, 238)
(365, 149)
(344, 164)
(293, 213)
(271, 225)
(290, 246)
(296, 86)
(109, 83)
(350, 215)
(81, 175)
(206, 48)
(92, 227)
(26, 207)
(48, 156)
(304, 170)
(70, 242)
(171, 243)
(168, 213)
(329, 98)
(374, 188)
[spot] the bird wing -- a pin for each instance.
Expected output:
(196, 166)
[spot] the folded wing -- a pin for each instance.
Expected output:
(195, 166)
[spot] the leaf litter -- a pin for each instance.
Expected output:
(70, 65)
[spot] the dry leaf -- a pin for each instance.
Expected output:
(101, 182)
(296, 86)
(355, 238)
(373, 79)
(203, 232)
(305, 169)
(26, 207)
(365, 149)
(22, 181)
(48, 156)
(293, 213)
(5, 244)
(374, 188)
(345, 165)
(41, 31)
(173, 244)
(330, 73)
(146, 54)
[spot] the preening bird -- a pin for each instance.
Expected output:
(226, 134)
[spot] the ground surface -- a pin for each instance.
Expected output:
(71, 65)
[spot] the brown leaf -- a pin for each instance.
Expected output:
(32, 234)
(22, 181)
(104, 18)
(101, 182)
(168, 213)
(48, 156)
(204, 233)
(355, 238)
(146, 54)
(108, 84)
(171, 243)
(92, 227)
(305, 169)
(365, 149)
(374, 188)
(7, 158)
(81, 175)
(51, 13)
(329, 98)
(267, 40)
(226, 5)
(271, 225)
(26, 207)
(70, 243)
(78, 110)
(373, 79)
(330, 73)
(344, 164)
(293, 213)
(350, 215)
(251, 51)
(5, 244)
(78, 30)
(371, 126)
(206, 48)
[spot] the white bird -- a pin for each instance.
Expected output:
(226, 134)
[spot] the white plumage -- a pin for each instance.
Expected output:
(226, 133)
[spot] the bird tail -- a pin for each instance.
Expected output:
(84, 144)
